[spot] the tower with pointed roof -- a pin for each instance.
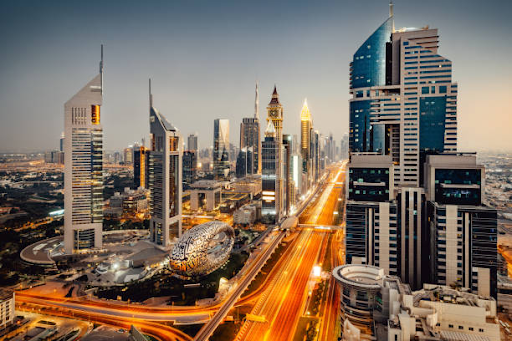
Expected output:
(250, 139)
(306, 125)
(83, 167)
(275, 115)
(165, 179)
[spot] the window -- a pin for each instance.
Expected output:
(424, 90)
(480, 330)
(450, 326)
(461, 327)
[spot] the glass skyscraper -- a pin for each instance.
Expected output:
(165, 179)
(404, 102)
(83, 167)
(221, 164)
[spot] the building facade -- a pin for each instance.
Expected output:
(189, 167)
(140, 166)
(221, 165)
(192, 143)
(83, 167)
(275, 115)
(165, 179)
(7, 308)
(269, 182)
(404, 102)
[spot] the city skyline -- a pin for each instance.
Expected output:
(47, 73)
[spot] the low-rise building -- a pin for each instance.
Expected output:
(6, 308)
(246, 215)
(128, 203)
(375, 306)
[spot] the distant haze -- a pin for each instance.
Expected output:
(205, 56)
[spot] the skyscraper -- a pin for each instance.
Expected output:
(165, 178)
(250, 138)
(275, 115)
(306, 124)
(189, 167)
(83, 167)
(431, 227)
(140, 166)
(461, 229)
(404, 102)
(221, 146)
(128, 155)
(192, 144)
(270, 152)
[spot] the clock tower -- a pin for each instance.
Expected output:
(275, 115)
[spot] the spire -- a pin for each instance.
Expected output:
(271, 130)
(150, 95)
(275, 96)
(256, 103)
(101, 69)
(391, 14)
(305, 115)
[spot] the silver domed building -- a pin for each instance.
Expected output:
(202, 249)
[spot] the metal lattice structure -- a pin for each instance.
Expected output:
(202, 249)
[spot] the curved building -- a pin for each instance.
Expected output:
(202, 249)
(359, 287)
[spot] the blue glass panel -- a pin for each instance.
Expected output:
(359, 138)
(369, 62)
(432, 120)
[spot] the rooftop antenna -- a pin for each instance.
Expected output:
(391, 14)
(150, 95)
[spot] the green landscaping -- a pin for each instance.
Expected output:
(164, 284)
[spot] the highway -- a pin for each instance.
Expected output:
(211, 325)
(284, 300)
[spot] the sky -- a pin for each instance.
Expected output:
(204, 58)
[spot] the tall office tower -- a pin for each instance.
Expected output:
(306, 125)
(165, 178)
(331, 148)
(192, 144)
(61, 142)
(83, 167)
(269, 182)
(244, 162)
(296, 174)
(140, 166)
(344, 147)
(189, 167)
(250, 139)
(287, 175)
(221, 147)
(461, 229)
(128, 155)
(403, 103)
(275, 115)
(315, 138)
(371, 213)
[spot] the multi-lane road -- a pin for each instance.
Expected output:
(284, 301)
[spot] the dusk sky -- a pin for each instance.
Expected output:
(205, 56)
